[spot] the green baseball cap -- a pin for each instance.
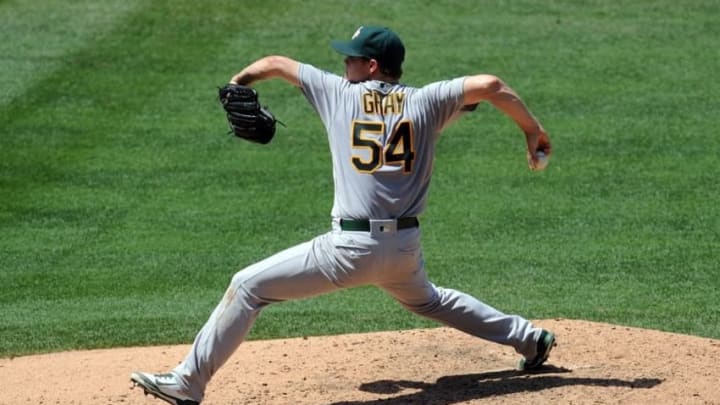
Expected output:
(379, 43)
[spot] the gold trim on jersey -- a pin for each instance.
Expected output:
(358, 136)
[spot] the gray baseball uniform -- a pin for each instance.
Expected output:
(382, 138)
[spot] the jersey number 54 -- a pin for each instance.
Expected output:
(398, 150)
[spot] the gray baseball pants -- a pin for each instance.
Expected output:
(384, 257)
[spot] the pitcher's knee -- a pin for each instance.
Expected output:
(241, 288)
(238, 279)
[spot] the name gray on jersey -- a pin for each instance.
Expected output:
(374, 102)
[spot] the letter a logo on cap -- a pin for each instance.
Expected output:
(357, 32)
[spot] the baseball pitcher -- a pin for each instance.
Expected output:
(382, 136)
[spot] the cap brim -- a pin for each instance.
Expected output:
(345, 48)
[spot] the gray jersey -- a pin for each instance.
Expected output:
(382, 139)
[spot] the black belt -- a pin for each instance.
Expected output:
(363, 225)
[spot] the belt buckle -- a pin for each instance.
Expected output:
(383, 226)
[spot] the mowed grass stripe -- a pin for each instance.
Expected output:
(38, 36)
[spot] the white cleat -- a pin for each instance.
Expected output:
(162, 386)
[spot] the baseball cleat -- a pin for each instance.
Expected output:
(544, 346)
(162, 386)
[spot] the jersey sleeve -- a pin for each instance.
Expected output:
(321, 89)
(445, 99)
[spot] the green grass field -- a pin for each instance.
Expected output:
(125, 208)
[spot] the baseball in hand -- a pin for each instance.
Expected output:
(541, 160)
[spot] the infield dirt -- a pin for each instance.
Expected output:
(594, 363)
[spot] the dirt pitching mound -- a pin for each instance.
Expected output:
(593, 363)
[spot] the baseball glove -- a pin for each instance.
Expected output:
(247, 118)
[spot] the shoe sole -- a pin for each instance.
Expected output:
(148, 387)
